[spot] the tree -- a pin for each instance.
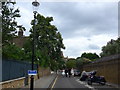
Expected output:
(9, 24)
(91, 56)
(9, 28)
(48, 41)
(71, 64)
(13, 52)
(112, 47)
(61, 64)
(27, 49)
(80, 61)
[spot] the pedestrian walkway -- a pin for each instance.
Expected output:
(43, 82)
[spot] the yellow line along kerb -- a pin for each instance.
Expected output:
(54, 83)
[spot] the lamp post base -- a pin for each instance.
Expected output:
(32, 83)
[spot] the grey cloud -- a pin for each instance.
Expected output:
(102, 17)
(82, 20)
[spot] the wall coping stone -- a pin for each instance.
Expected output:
(12, 80)
(108, 58)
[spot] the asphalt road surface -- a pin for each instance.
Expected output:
(75, 83)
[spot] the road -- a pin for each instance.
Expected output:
(74, 83)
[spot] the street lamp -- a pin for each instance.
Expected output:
(35, 6)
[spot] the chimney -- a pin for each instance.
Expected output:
(20, 33)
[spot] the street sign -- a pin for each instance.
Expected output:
(32, 72)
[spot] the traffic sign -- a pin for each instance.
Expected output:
(32, 72)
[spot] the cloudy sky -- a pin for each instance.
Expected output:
(85, 26)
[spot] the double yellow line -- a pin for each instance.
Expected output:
(54, 82)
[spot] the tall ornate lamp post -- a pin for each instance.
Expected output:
(35, 6)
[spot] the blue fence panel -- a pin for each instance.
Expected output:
(5, 70)
(12, 69)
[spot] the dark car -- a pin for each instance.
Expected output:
(76, 72)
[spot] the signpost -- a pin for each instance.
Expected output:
(32, 72)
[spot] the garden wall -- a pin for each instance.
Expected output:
(108, 67)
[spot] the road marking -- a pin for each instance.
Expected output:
(85, 84)
(54, 82)
(90, 87)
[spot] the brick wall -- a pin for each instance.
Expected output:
(43, 71)
(20, 82)
(108, 67)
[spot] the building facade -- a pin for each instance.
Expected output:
(20, 39)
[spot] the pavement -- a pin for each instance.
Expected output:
(113, 85)
(43, 82)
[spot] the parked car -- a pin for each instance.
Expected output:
(76, 72)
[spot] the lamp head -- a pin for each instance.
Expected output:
(35, 5)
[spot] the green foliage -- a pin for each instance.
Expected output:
(48, 42)
(112, 47)
(61, 63)
(77, 63)
(9, 25)
(71, 64)
(81, 61)
(91, 56)
(9, 28)
(13, 52)
(28, 50)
